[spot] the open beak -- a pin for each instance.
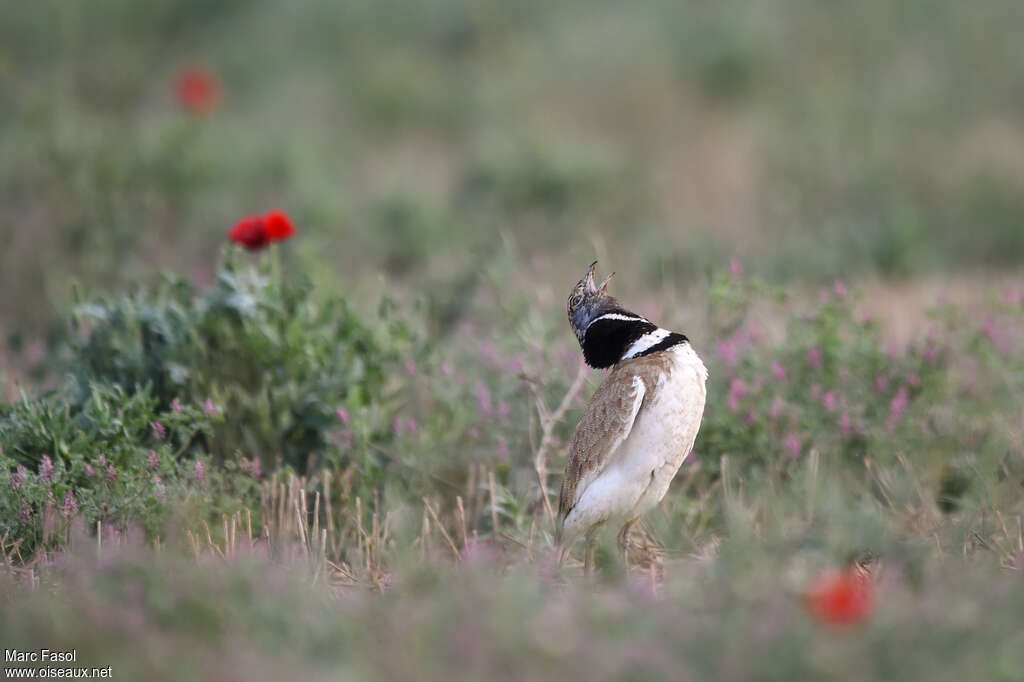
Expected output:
(594, 288)
(591, 287)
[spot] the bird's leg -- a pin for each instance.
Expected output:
(589, 553)
(624, 542)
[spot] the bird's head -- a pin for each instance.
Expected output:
(589, 301)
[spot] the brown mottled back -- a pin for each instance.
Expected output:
(606, 422)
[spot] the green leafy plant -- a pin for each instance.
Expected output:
(112, 457)
(258, 348)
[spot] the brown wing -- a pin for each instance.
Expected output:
(605, 424)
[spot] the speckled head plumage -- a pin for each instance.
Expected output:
(588, 301)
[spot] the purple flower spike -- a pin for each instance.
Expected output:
(737, 391)
(483, 398)
(70, 506)
(793, 445)
(199, 471)
(19, 477)
(898, 406)
(779, 372)
(46, 469)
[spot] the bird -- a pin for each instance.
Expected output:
(637, 428)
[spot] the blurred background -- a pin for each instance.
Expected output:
(419, 146)
(794, 184)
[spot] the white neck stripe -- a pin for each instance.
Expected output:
(645, 342)
(618, 316)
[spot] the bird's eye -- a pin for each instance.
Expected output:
(575, 300)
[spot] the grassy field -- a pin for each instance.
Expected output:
(336, 457)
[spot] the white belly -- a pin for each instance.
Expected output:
(638, 474)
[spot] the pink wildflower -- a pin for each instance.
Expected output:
(483, 398)
(736, 268)
(89, 471)
(814, 358)
(398, 426)
(111, 470)
(776, 409)
(343, 415)
(26, 512)
(154, 460)
(199, 471)
(898, 406)
(737, 391)
(176, 406)
(846, 424)
(70, 505)
(779, 372)
(211, 408)
(412, 426)
(490, 354)
(831, 401)
(728, 352)
(755, 334)
(996, 336)
(19, 477)
(253, 467)
(515, 365)
(793, 444)
(410, 367)
(840, 289)
(46, 469)
(159, 431)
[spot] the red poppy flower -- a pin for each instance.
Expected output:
(257, 232)
(842, 598)
(279, 226)
(198, 90)
(250, 232)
